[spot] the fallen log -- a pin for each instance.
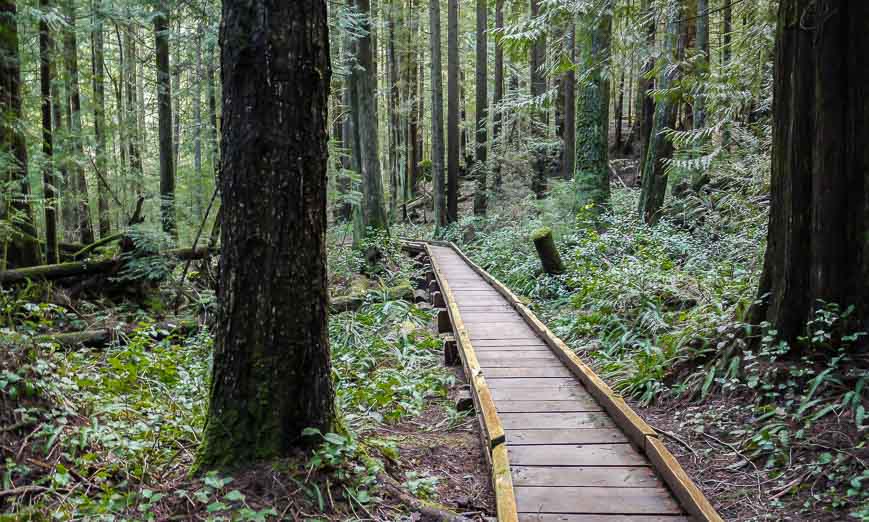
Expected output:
(87, 268)
(103, 336)
(355, 301)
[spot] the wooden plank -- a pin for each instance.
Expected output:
(509, 350)
(565, 393)
(575, 405)
(545, 372)
(576, 455)
(482, 343)
(502, 483)
(518, 359)
(563, 517)
(691, 498)
(610, 476)
(591, 500)
(532, 382)
(543, 421)
(483, 317)
(565, 436)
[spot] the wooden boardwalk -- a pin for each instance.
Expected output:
(570, 459)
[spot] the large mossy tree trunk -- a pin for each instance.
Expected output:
(817, 247)
(16, 196)
(437, 116)
(660, 148)
(592, 114)
(164, 110)
(482, 95)
(272, 376)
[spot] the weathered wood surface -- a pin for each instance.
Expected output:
(572, 457)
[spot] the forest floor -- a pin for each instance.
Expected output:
(112, 429)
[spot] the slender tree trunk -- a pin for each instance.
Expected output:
(131, 124)
(727, 53)
(70, 45)
(703, 48)
(660, 148)
(482, 107)
(645, 103)
(411, 68)
(592, 118)
(99, 107)
(164, 110)
(272, 376)
(498, 95)
(453, 143)
(365, 83)
(396, 150)
(437, 116)
(46, 78)
(15, 204)
(620, 111)
(569, 163)
(213, 128)
(119, 83)
(538, 88)
(198, 181)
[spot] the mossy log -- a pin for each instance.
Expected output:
(545, 245)
(355, 301)
(88, 268)
(103, 336)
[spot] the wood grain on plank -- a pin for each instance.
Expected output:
(576, 455)
(565, 436)
(525, 394)
(546, 420)
(578, 476)
(591, 500)
(575, 405)
(524, 371)
(562, 517)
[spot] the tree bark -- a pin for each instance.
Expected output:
(568, 164)
(498, 94)
(99, 107)
(437, 116)
(546, 251)
(703, 63)
(15, 205)
(198, 181)
(453, 143)
(817, 248)
(132, 126)
(46, 78)
(272, 375)
(592, 118)
(645, 104)
(660, 148)
(482, 123)
(538, 88)
(164, 110)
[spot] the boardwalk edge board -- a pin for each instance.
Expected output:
(636, 429)
(492, 429)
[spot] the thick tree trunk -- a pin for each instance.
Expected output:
(437, 116)
(79, 182)
(482, 123)
(453, 95)
(817, 248)
(272, 376)
(498, 95)
(660, 148)
(46, 78)
(15, 204)
(592, 115)
(364, 79)
(99, 107)
(546, 251)
(164, 110)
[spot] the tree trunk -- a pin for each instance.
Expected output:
(645, 104)
(703, 63)
(198, 181)
(592, 118)
(620, 111)
(727, 53)
(132, 126)
(46, 78)
(538, 88)
(99, 107)
(437, 116)
(164, 110)
(546, 251)
(411, 68)
(568, 164)
(364, 79)
(272, 377)
(817, 248)
(78, 180)
(453, 143)
(498, 95)
(396, 149)
(213, 128)
(15, 205)
(482, 122)
(660, 148)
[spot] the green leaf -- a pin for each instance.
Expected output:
(234, 496)
(216, 506)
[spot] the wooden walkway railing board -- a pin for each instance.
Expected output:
(575, 455)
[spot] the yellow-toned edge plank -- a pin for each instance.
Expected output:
(502, 482)
(689, 495)
(634, 426)
(482, 395)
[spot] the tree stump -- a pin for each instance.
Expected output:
(545, 245)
